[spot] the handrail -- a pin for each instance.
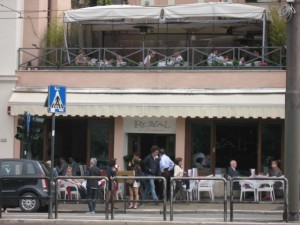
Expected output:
(25, 178)
(198, 179)
(285, 193)
(78, 177)
(142, 178)
(194, 58)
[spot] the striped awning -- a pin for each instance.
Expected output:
(234, 105)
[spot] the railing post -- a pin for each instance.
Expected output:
(55, 199)
(1, 184)
(171, 198)
(112, 197)
(165, 198)
(225, 199)
(231, 200)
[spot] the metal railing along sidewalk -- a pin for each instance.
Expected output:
(173, 183)
(56, 200)
(137, 178)
(283, 180)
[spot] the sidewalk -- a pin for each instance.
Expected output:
(189, 213)
(182, 207)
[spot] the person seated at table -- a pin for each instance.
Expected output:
(177, 57)
(213, 58)
(81, 188)
(227, 61)
(148, 58)
(274, 172)
(119, 60)
(242, 61)
(82, 59)
(233, 172)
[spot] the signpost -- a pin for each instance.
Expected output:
(56, 104)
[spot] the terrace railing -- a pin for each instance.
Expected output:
(196, 58)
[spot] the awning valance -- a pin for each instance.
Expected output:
(130, 13)
(155, 105)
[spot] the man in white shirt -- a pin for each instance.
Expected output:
(166, 168)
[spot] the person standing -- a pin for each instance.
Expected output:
(54, 170)
(112, 186)
(178, 172)
(134, 186)
(92, 185)
(62, 169)
(151, 168)
(75, 167)
(166, 169)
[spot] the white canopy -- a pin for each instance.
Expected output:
(121, 13)
(129, 13)
(225, 10)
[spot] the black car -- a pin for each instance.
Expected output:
(17, 191)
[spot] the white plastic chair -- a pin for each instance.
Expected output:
(206, 186)
(102, 187)
(120, 191)
(265, 186)
(63, 188)
(247, 186)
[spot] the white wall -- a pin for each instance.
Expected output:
(11, 39)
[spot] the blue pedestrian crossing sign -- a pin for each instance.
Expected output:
(56, 99)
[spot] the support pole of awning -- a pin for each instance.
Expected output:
(264, 36)
(66, 41)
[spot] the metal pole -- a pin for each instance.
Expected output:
(292, 114)
(1, 180)
(165, 198)
(171, 198)
(225, 200)
(231, 200)
(52, 163)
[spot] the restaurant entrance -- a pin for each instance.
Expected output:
(142, 143)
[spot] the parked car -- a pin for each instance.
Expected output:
(17, 191)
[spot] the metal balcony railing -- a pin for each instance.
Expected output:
(196, 58)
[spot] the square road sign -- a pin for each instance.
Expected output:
(56, 99)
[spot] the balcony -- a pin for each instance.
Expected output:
(193, 58)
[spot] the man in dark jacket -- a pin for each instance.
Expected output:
(92, 185)
(233, 172)
(151, 168)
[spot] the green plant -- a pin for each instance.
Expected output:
(277, 32)
(103, 2)
(235, 62)
(216, 63)
(54, 36)
(114, 62)
(277, 28)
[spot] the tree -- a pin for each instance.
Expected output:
(277, 34)
(277, 28)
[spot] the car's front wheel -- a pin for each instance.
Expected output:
(29, 202)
